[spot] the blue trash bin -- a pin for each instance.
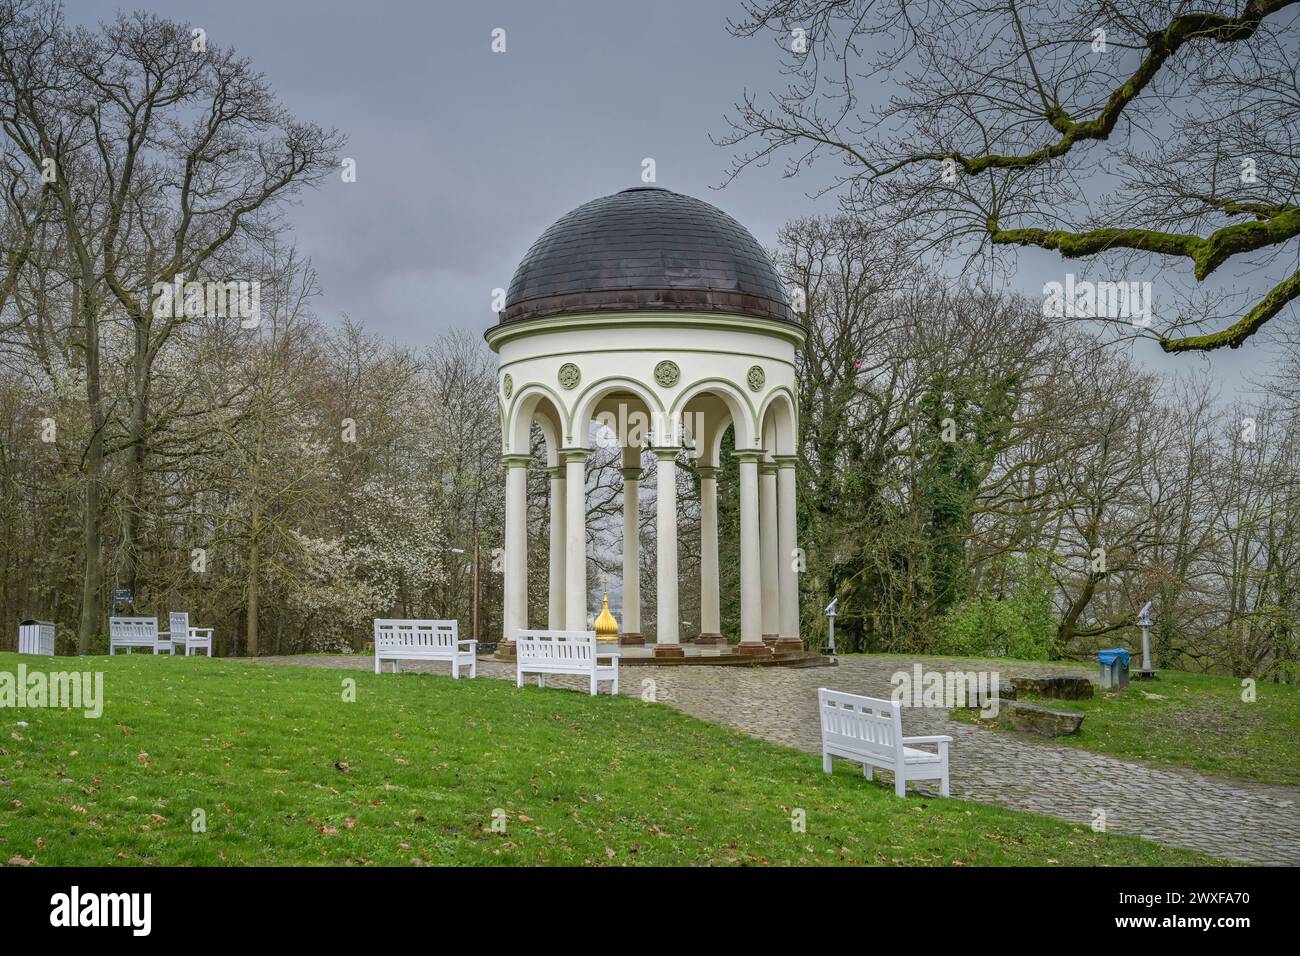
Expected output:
(1114, 667)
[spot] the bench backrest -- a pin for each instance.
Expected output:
(865, 724)
(556, 647)
(180, 625)
(133, 628)
(413, 636)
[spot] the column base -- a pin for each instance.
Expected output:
(669, 650)
(769, 639)
(788, 645)
(710, 639)
(753, 649)
(631, 640)
(505, 651)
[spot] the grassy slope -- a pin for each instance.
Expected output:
(1196, 720)
(288, 773)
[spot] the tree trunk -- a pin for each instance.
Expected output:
(92, 573)
(254, 560)
(136, 459)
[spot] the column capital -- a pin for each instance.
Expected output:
(515, 461)
(786, 461)
(631, 474)
(767, 468)
(707, 472)
(665, 454)
(555, 471)
(574, 454)
(748, 455)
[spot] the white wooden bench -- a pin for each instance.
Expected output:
(564, 652)
(132, 632)
(400, 640)
(36, 637)
(191, 639)
(870, 732)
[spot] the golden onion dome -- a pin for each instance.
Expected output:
(606, 626)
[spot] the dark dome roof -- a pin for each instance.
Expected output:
(646, 248)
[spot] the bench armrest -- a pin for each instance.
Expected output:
(940, 739)
(166, 634)
(202, 630)
(467, 641)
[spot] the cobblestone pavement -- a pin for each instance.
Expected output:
(1236, 820)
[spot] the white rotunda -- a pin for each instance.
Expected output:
(661, 317)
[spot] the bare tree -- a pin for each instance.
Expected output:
(1034, 123)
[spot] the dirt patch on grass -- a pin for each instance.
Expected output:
(1208, 720)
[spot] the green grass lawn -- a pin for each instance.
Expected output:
(287, 772)
(1194, 720)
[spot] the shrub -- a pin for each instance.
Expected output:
(1016, 622)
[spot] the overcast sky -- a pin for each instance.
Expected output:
(464, 156)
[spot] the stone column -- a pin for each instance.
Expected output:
(667, 622)
(515, 564)
(786, 491)
(751, 583)
(555, 594)
(710, 604)
(767, 530)
(631, 632)
(575, 543)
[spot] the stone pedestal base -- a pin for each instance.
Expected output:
(710, 639)
(669, 650)
(755, 649)
(505, 651)
(769, 639)
(631, 640)
(788, 645)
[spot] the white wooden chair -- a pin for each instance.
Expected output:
(132, 632)
(870, 732)
(191, 639)
(400, 640)
(564, 652)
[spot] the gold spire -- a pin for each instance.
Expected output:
(606, 626)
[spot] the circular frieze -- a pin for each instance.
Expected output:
(508, 386)
(756, 378)
(667, 373)
(569, 375)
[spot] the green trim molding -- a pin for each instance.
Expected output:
(790, 331)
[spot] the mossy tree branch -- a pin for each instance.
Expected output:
(1160, 47)
(1243, 328)
(1207, 253)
